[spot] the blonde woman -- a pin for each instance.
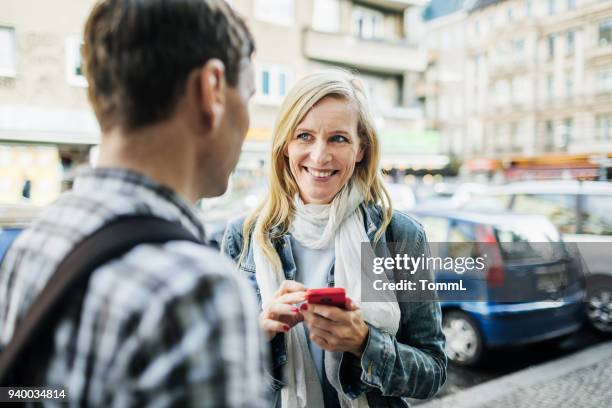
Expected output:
(326, 197)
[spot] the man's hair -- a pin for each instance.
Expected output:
(138, 54)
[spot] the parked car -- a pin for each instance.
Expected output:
(402, 196)
(13, 220)
(582, 211)
(523, 297)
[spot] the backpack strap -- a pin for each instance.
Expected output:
(72, 277)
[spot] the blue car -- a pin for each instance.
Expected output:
(13, 219)
(531, 290)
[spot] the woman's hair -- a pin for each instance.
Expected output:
(277, 209)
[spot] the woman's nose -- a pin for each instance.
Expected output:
(320, 153)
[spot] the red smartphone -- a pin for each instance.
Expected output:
(327, 296)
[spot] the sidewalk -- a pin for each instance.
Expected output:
(581, 380)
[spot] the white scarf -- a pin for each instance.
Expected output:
(315, 226)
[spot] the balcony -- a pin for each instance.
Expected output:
(599, 55)
(393, 57)
(397, 5)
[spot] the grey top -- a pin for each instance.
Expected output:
(312, 269)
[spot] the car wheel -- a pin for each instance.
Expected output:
(464, 341)
(599, 304)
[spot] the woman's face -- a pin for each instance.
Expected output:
(324, 148)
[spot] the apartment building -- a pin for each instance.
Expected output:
(443, 85)
(46, 125)
(45, 116)
(539, 78)
(371, 37)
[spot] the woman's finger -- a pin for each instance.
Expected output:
(273, 326)
(288, 286)
(276, 310)
(291, 298)
(319, 341)
(326, 327)
(350, 305)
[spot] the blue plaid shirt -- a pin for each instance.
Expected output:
(163, 325)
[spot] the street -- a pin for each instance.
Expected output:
(506, 361)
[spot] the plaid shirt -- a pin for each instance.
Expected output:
(163, 325)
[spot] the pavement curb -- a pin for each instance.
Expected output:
(494, 389)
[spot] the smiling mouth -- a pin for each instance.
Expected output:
(319, 174)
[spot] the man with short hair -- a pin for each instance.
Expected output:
(163, 324)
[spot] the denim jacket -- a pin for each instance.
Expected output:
(411, 364)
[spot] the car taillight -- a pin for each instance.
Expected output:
(490, 250)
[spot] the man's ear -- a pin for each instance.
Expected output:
(212, 92)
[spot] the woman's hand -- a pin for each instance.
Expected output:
(335, 329)
(279, 315)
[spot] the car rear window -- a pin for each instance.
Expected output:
(558, 208)
(533, 239)
(596, 215)
(435, 228)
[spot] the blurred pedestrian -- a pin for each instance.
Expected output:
(26, 189)
(164, 324)
(326, 198)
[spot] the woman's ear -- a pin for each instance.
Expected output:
(360, 153)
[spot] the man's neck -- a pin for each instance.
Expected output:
(161, 152)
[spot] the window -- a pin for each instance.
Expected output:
(604, 126)
(514, 146)
(519, 47)
(568, 130)
(435, 227)
(569, 85)
(534, 241)
(461, 239)
(596, 216)
(265, 82)
(551, 7)
(509, 14)
(603, 80)
(517, 90)
(8, 52)
(384, 92)
(326, 15)
(528, 7)
(275, 11)
(74, 62)
(272, 83)
(605, 32)
(551, 46)
(559, 208)
(549, 143)
(550, 83)
(571, 41)
(571, 4)
(368, 23)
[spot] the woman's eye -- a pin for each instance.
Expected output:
(339, 138)
(302, 136)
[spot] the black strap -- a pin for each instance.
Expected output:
(72, 276)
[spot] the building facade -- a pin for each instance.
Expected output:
(521, 82)
(538, 82)
(443, 85)
(44, 109)
(46, 125)
(370, 37)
